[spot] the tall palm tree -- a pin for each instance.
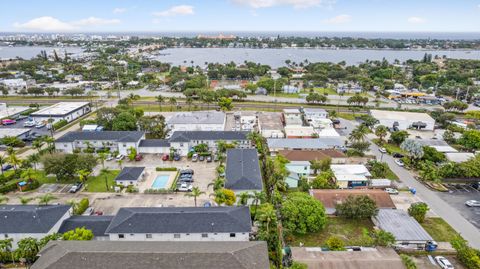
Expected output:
(45, 199)
(13, 159)
(257, 198)
(217, 184)
(160, 100)
(34, 159)
(359, 133)
(102, 157)
(243, 198)
(219, 197)
(195, 193)
(173, 102)
(315, 165)
(37, 144)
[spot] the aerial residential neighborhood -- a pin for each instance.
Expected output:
(244, 134)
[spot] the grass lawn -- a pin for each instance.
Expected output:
(328, 91)
(347, 116)
(97, 183)
(391, 148)
(440, 230)
(391, 175)
(352, 232)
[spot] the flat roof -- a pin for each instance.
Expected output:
(270, 121)
(400, 115)
(401, 225)
(350, 169)
(198, 117)
(12, 131)
(12, 111)
(61, 108)
(459, 157)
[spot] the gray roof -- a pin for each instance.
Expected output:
(147, 255)
(198, 117)
(30, 218)
(187, 136)
(307, 143)
(181, 220)
(243, 170)
(401, 225)
(97, 224)
(153, 143)
(119, 136)
(130, 174)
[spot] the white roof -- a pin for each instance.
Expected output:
(12, 132)
(350, 178)
(314, 110)
(400, 116)
(459, 157)
(349, 169)
(198, 117)
(328, 132)
(12, 110)
(291, 110)
(59, 109)
(295, 130)
(90, 127)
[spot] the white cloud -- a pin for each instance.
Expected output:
(340, 19)
(416, 20)
(93, 21)
(119, 10)
(294, 3)
(176, 10)
(48, 23)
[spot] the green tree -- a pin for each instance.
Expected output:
(83, 175)
(217, 184)
(6, 247)
(298, 265)
(224, 196)
(429, 172)
(160, 100)
(398, 137)
(468, 256)
(45, 199)
(383, 238)
(79, 234)
(243, 198)
(27, 249)
(324, 181)
(408, 261)
(433, 155)
(470, 139)
(154, 126)
(302, 213)
(125, 121)
(418, 211)
(357, 207)
(334, 243)
(195, 193)
(225, 103)
(381, 132)
(413, 149)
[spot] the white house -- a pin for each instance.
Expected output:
(197, 121)
(350, 175)
(22, 221)
(181, 224)
(120, 141)
(68, 111)
(404, 120)
(312, 114)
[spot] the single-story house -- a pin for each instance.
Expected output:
(396, 120)
(407, 231)
(243, 172)
(130, 176)
(97, 224)
(459, 157)
(147, 255)
(276, 144)
(350, 175)
(330, 198)
(439, 145)
(181, 224)
(22, 221)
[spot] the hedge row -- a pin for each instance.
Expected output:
(59, 124)
(166, 169)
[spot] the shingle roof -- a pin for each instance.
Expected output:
(243, 170)
(130, 174)
(401, 225)
(330, 198)
(97, 224)
(307, 143)
(186, 136)
(119, 136)
(198, 117)
(153, 143)
(30, 218)
(310, 155)
(147, 255)
(181, 220)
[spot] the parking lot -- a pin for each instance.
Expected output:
(19, 124)
(457, 195)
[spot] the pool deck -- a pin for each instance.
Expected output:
(151, 175)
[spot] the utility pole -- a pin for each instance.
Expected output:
(118, 87)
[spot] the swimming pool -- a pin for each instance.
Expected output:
(160, 182)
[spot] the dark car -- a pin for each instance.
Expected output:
(176, 157)
(397, 155)
(186, 171)
(138, 157)
(186, 176)
(7, 167)
(185, 180)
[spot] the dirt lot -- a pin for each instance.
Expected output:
(404, 199)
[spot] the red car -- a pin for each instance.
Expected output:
(8, 122)
(165, 157)
(138, 157)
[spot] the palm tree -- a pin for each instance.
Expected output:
(83, 175)
(219, 197)
(267, 217)
(37, 144)
(243, 198)
(102, 157)
(6, 246)
(189, 102)
(381, 131)
(3, 160)
(3, 199)
(45, 199)
(13, 159)
(257, 198)
(315, 165)
(120, 162)
(173, 102)
(28, 174)
(34, 159)
(359, 133)
(160, 100)
(217, 184)
(195, 193)
(50, 142)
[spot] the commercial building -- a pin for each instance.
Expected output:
(148, 255)
(20, 133)
(22, 221)
(243, 171)
(11, 112)
(298, 131)
(181, 224)
(396, 120)
(120, 141)
(68, 111)
(350, 175)
(130, 176)
(313, 114)
(197, 121)
(406, 230)
(270, 125)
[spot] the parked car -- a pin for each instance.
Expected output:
(76, 187)
(120, 157)
(138, 157)
(40, 125)
(216, 158)
(194, 157)
(443, 262)
(201, 158)
(186, 171)
(398, 155)
(209, 159)
(89, 211)
(391, 191)
(7, 167)
(8, 122)
(184, 187)
(177, 157)
(28, 139)
(186, 175)
(165, 157)
(98, 213)
(399, 162)
(472, 203)
(29, 123)
(185, 180)
(382, 150)
(109, 158)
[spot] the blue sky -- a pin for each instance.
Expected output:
(240, 15)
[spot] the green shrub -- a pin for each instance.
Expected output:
(166, 169)
(334, 243)
(8, 187)
(59, 124)
(131, 189)
(408, 262)
(469, 257)
(82, 206)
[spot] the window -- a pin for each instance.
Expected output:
(204, 235)
(232, 234)
(121, 236)
(176, 235)
(148, 236)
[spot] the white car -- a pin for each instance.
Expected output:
(119, 157)
(399, 162)
(88, 212)
(40, 125)
(382, 150)
(109, 158)
(184, 187)
(472, 203)
(29, 123)
(391, 191)
(443, 262)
